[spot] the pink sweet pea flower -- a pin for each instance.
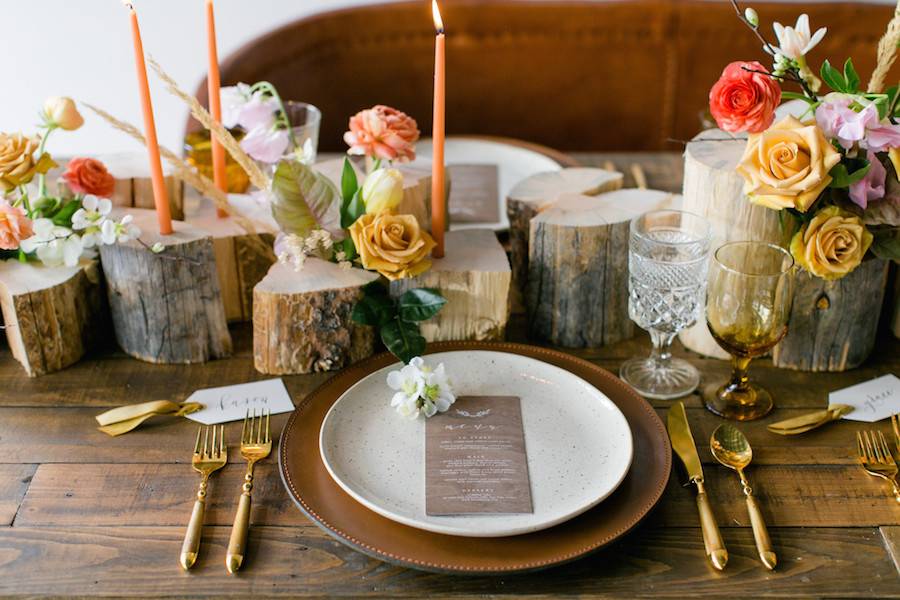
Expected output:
(838, 121)
(883, 138)
(870, 187)
(266, 145)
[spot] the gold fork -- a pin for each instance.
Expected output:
(208, 457)
(876, 458)
(256, 444)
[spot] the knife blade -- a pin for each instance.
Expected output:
(683, 444)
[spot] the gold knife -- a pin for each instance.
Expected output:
(683, 444)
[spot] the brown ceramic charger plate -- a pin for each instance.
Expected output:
(323, 501)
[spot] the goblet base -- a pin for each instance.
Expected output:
(751, 402)
(659, 380)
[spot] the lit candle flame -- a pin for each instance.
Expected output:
(436, 14)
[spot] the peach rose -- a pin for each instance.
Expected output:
(17, 163)
(787, 165)
(14, 226)
(383, 132)
(89, 176)
(832, 244)
(60, 111)
(743, 100)
(394, 245)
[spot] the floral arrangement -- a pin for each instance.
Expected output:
(420, 389)
(55, 229)
(833, 172)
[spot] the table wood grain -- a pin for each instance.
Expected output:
(85, 514)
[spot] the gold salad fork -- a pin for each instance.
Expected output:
(256, 444)
(209, 456)
(875, 457)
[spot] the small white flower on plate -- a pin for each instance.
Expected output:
(420, 389)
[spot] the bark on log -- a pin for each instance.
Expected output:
(301, 319)
(416, 188)
(474, 276)
(577, 293)
(166, 307)
(833, 324)
(538, 192)
(52, 315)
(240, 264)
(713, 190)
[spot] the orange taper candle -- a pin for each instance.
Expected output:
(160, 194)
(438, 200)
(215, 103)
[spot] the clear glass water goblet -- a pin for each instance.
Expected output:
(668, 262)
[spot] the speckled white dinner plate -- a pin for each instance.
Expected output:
(578, 444)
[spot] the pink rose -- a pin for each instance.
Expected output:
(14, 226)
(383, 132)
(870, 187)
(742, 100)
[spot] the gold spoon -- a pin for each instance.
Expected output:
(731, 448)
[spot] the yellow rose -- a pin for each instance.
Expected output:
(894, 155)
(832, 244)
(17, 164)
(62, 112)
(787, 165)
(393, 245)
(383, 190)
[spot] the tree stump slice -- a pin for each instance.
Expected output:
(474, 276)
(416, 187)
(833, 324)
(167, 307)
(577, 293)
(240, 263)
(714, 190)
(301, 319)
(538, 192)
(52, 315)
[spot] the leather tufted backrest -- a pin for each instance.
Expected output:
(609, 75)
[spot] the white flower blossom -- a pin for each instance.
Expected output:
(420, 389)
(54, 245)
(123, 231)
(90, 218)
(796, 42)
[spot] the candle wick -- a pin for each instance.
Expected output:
(128, 4)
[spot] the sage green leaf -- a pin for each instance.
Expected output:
(833, 77)
(349, 182)
(374, 310)
(403, 339)
(885, 211)
(304, 200)
(851, 77)
(420, 304)
(886, 245)
(353, 210)
(840, 178)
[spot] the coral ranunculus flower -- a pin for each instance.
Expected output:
(742, 100)
(14, 226)
(89, 176)
(383, 132)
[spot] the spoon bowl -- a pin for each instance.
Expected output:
(730, 447)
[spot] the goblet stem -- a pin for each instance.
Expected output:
(740, 380)
(661, 353)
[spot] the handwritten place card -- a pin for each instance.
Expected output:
(475, 459)
(871, 400)
(230, 403)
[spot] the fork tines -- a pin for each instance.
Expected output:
(873, 448)
(252, 430)
(210, 448)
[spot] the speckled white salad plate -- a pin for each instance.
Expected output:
(578, 443)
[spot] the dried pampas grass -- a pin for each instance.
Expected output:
(887, 54)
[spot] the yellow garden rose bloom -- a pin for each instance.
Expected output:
(393, 245)
(894, 155)
(787, 165)
(832, 244)
(17, 163)
(62, 112)
(382, 190)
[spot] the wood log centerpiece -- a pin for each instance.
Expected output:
(241, 260)
(301, 319)
(833, 324)
(714, 190)
(577, 293)
(52, 315)
(166, 307)
(474, 276)
(538, 192)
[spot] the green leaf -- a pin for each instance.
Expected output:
(886, 244)
(851, 77)
(304, 199)
(786, 95)
(353, 210)
(420, 304)
(842, 179)
(374, 310)
(349, 182)
(833, 77)
(403, 339)
(63, 216)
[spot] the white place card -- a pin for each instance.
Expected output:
(871, 400)
(231, 402)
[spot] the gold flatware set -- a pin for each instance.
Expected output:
(876, 457)
(730, 447)
(210, 455)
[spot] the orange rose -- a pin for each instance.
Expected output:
(89, 176)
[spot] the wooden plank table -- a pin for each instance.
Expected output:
(85, 514)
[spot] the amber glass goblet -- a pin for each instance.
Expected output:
(748, 303)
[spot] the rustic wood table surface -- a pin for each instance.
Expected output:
(85, 514)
